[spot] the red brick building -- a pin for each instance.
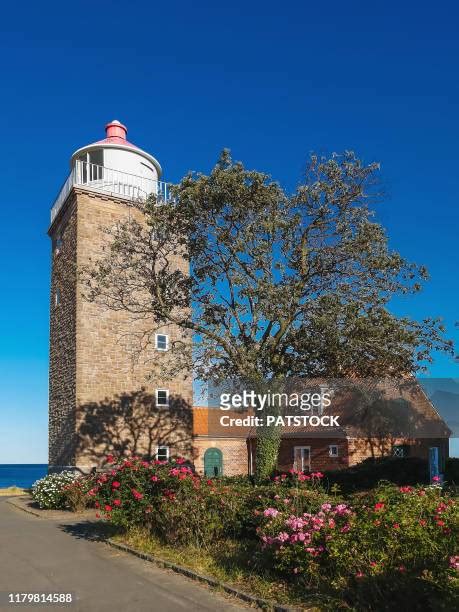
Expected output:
(398, 422)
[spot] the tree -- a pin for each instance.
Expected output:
(280, 285)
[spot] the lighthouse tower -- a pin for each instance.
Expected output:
(101, 399)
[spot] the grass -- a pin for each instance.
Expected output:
(13, 491)
(230, 562)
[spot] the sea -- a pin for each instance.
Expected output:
(21, 474)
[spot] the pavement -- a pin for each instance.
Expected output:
(53, 555)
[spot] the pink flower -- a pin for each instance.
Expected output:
(454, 562)
(346, 528)
(405, 489)
(116, 484)
(282, 537)
(136, 494)
(326, 507)
(396, 526)
(436, 479)
(317, 475)
(271, 512)
(117, 502)
(180, 460)
(108, 508)
(154, 479)
(379, 506)
(110, 459)
(423, 522)
(359, 575)
(401, 568)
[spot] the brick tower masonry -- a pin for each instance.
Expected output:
(101, 400)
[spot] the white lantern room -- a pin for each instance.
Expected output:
(115, 166)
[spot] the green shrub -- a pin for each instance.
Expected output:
(367, 474)
(391, 546)
(49, 492)
(181, 507)
(452, 470)
(174, 503)
(75, 494)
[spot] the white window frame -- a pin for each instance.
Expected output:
(167, 342)
(162, 446)
(331, 453)
(167, 398)
(303, 467)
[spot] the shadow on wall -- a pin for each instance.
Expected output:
(132, 424)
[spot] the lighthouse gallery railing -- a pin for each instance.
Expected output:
(114, 182)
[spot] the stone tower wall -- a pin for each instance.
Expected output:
(108, 396)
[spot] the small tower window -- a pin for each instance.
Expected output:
(162, 453)
(57, 297)
(161, 342)
(57, 245)
(162, 397)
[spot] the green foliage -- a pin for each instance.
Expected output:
(181, 507)
(368, 473)
(392, 545)
(267, 450)
(452, 471)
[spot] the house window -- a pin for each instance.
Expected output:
(162, 397)
(333, 450)
(302, 458)
(161, 342)
(57, 245)
(162, 453)
(57, 297)
(400, 450)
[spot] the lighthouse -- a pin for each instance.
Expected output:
(103, 397)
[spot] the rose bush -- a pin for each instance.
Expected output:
(394, 540)
(171, 500)
(181, 507)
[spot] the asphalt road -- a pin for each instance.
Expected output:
(48, 556)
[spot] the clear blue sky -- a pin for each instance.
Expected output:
(270, 80)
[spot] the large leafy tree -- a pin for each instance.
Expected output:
(280, 285)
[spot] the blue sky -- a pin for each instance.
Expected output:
(271, 81)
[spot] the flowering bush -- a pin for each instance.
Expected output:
(180, 506)
(394, 542)
(395, 535)
(75, 494)
(169, 498)
(49, 492)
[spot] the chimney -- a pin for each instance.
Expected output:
(116, 129)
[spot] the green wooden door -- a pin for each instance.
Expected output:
(213, 462)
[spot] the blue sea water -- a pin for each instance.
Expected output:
(21, 475)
